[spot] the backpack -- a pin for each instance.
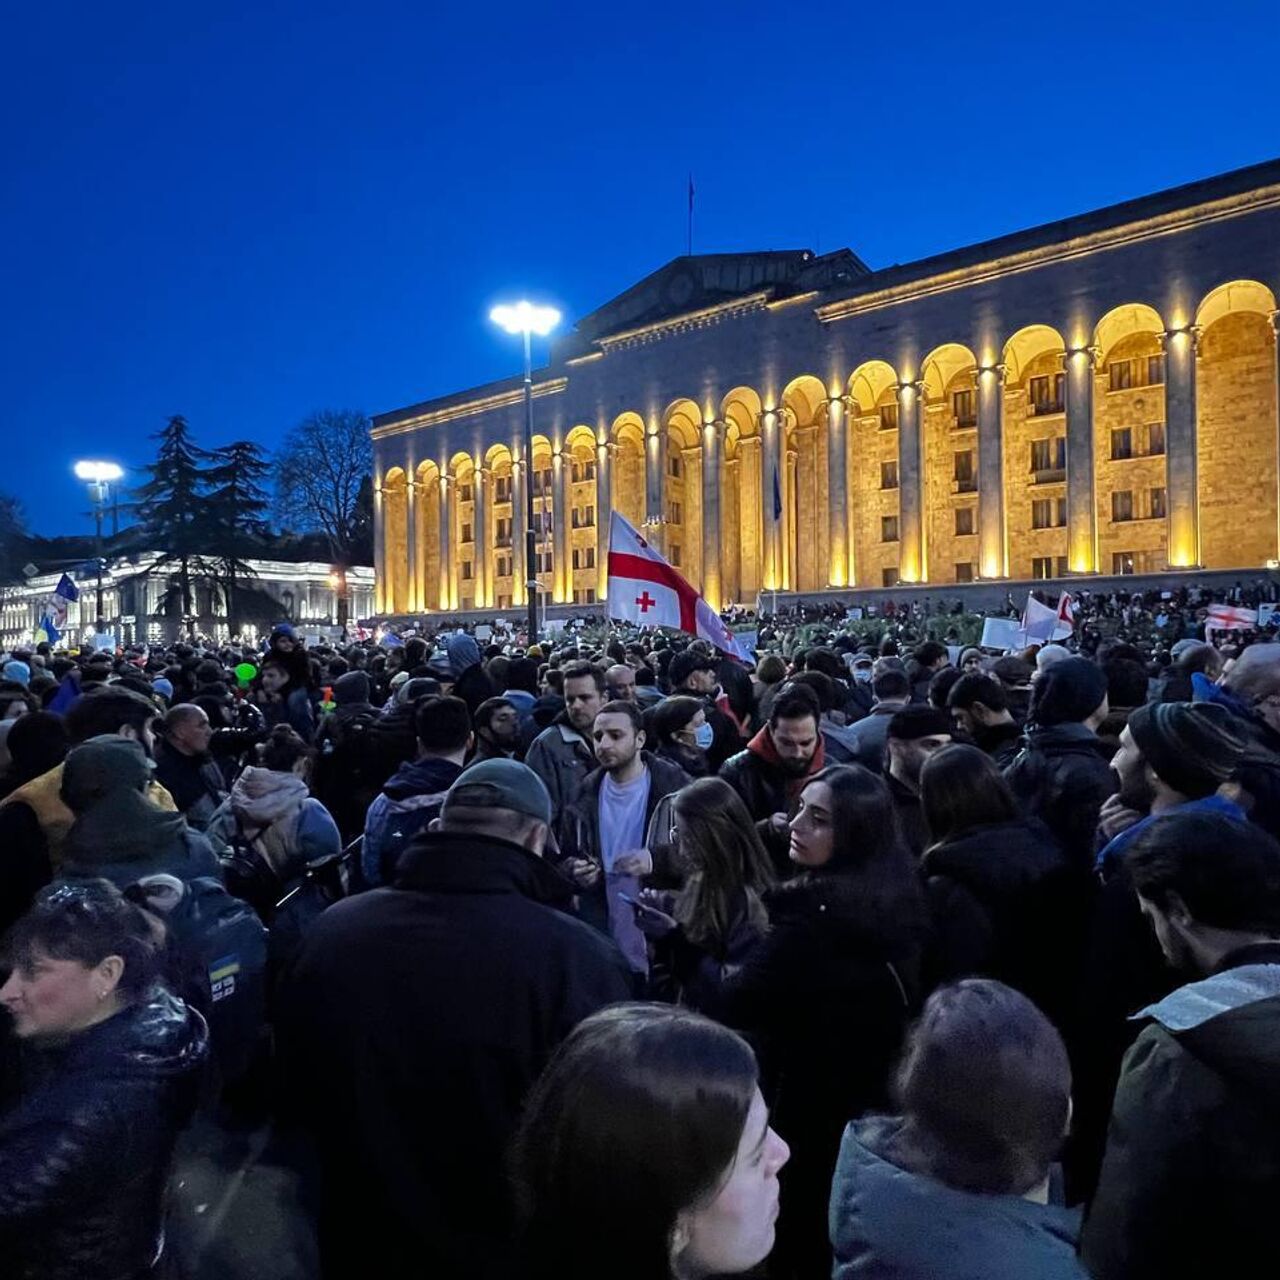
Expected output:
(349, 771)
(218, 961)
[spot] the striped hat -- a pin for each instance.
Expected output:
(1192, 746)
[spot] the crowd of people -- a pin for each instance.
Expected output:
(615, 956)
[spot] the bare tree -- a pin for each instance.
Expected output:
(322, 465)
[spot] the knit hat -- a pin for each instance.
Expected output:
(17, 671)
(463, 651)
(101, 765)
(919, 722)
(1068, 692)
(163, 687)
(350, 688)
(1192, 746)
(501, 784)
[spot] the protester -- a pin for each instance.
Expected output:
(708, 927)
(1001, 893)
(927, 660)
(37, 744)
(433, 1005)
(184, 766)
(892, 692)
(348, 769)
(85, 1150)
(1190, 657)
(828, 993)
(693, 675)
(1193, 1158)
(915, 733)
(980, 707)
(497, 731)
(283, 697)
(680, 733)
(770, 774)
(620, 683)
(604, 830)
(561, 754)
(1062, 775)
(958, 1185)
(415, 792)
(646, 1152)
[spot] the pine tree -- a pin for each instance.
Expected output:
(172, 512)
(236, 504)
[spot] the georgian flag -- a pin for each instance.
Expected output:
(1043, 624)
(645, 589)
(1229, 617)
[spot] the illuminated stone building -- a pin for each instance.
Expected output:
(1098, 395)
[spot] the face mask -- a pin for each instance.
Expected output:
(703, 736)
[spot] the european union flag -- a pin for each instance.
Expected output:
(67, 589)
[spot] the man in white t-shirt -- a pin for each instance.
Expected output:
(604, 831)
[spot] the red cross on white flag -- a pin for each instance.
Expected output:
(645, 589)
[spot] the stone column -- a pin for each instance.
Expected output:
(414, 598)
(379, 551)
(790, 525)
(991, 536)
(838, 574)
(446, 593)
(772, 522)
(911, 567)
(563, 570)
(655, 474)
(519, 478)
(483, 546)
(1082, 518)
(712, 449)
(604, 508)
(1182, 489)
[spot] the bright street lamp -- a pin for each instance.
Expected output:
(526, 318)
(99, 476)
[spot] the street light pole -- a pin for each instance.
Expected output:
(530, 537)
(99, 620)
(526, 319)
(100, 476)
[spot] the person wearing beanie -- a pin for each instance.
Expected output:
(471, 682)
(1063, 774)
(914, 734)
(17, 671)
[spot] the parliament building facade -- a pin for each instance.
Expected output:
(1094, 396)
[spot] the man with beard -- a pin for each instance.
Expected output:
(1193, 1153)
(770, 774)
(915, 733)
(561, 755)
(980, 708)
(1173, 758)
(497, 730)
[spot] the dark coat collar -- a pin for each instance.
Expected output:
(458, 862)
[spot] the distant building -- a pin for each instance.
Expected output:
(139, 606)
(1094, 396)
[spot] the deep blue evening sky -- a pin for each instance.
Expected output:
(244, 212)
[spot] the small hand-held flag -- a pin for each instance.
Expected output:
(644, 588)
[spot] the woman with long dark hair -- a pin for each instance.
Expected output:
(646, 1153)
(1004, 901)
(681, 733)
(829, 992)
(708, 928)
(86, 1149)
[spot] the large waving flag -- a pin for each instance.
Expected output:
(644, 588)
(1043, 624)
(1229, 617)
(67, 590)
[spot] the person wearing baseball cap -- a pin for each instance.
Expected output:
(433, 1005)
(692, 674)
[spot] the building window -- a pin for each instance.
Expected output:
(1121, 506)
(964, 521)
(966, 481)
(576, 565)
(502, 489)
(584, 517)
(1043, 567)
(1044, 393)
(1122, 562)
(1049, 459)
(1049, 513)
(504, 567)
(964, 572)
(1121, 443)
(544, 561)
(583, 471)
(674, 513)
(962, 409)
(542, 482)
(675, 553)
(1155, 439)
(466, 533)
(888, 528)
(675, 465)
(1155, 371)
(466, 571)
(1158, 509)
(889, 474)
(465, 492)
(502, 531)
(889, 576)
(504, 602)
(889, 420)
(1121, 374)
(584, 595)
(584, 557)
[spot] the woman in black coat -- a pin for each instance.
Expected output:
(1005, 901)
(827, 995)
(112, 1077)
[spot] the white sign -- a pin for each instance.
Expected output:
(483, 632)
(553, 626)
(1267, 615)
(105, 642)
(747, 639)
(854, 613)
(1003, 633)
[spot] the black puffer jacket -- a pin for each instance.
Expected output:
(85, 1152)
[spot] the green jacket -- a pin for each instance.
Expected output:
(1191, 1174)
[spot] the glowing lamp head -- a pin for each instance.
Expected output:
(525, 317)
(98, 472)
